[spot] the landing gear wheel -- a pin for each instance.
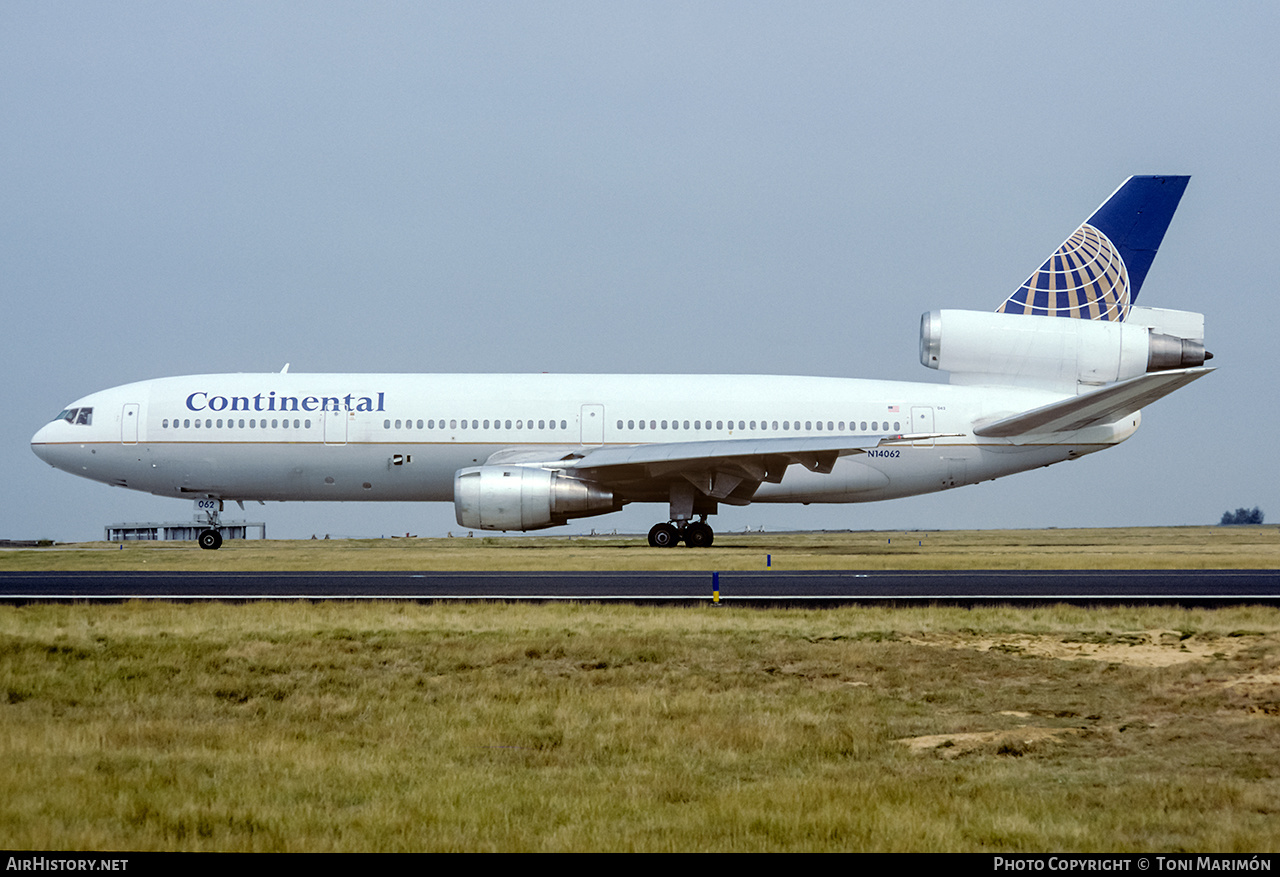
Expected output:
(699, 535)
(664, 536)
(210, 540)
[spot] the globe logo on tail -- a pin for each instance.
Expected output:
(1085, 279)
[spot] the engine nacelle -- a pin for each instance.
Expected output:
(524, 498)
(1020, 350)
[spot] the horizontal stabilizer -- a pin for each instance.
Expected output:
(1100, 406)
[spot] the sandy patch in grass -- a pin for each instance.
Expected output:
(1143, 648)
(1012, 741)
(1254, 679)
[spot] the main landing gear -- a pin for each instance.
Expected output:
(695, 534)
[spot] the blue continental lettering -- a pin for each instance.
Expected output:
(202, 400)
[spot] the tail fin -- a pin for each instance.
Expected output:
(1097, 272)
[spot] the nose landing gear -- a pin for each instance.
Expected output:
(210, 538)
(695, 534)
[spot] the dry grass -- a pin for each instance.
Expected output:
(349, 726)
(1117, 548)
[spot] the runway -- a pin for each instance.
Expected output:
(1189, 587)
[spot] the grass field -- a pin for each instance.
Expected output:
(1114, 548)
(412, 726)
(351, 726)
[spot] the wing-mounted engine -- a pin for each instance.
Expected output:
(1056, 353)
(498, 497)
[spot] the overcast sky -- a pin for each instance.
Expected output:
(607, 187)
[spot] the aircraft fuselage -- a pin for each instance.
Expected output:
(403, 437)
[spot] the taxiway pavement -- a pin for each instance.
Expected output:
(1194, 587)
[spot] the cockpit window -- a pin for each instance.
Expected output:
(78, 416)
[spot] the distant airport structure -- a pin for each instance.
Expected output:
(188, 531)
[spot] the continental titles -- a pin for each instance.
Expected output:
(202, 401)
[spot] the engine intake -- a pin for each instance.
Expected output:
(524, 498)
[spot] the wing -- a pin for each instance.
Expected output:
(1100, 406)
(725, 470)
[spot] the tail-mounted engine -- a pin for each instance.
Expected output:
(1020, 350)
(524, 498)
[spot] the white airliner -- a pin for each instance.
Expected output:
(1062, 369)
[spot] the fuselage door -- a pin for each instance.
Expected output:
(922, 421)
(335, 427)
(129, 424)
(593, 424)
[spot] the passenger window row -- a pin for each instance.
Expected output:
(785, 425)
(743, 425)
(218, 423)
(474, 424)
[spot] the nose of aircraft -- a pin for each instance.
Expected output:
(40, 443)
